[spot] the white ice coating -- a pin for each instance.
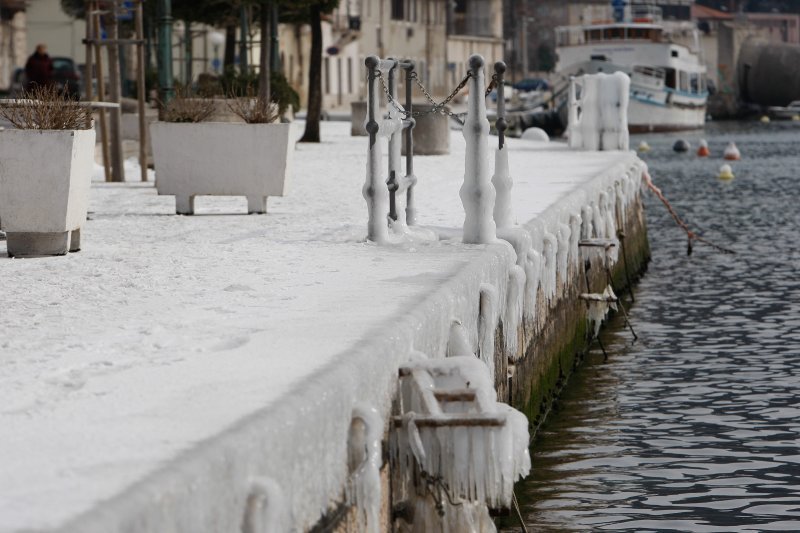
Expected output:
(562, 255)
(364, 489)
(266, 509)
(251, 429)
(478, 463)
(598, 112)
(503, 214)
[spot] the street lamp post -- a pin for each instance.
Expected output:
(166, 89)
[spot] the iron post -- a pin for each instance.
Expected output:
(165, 83)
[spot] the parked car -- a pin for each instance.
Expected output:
(66, 77)
(532, 84)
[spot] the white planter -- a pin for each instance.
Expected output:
(45, 178)
(222, 159)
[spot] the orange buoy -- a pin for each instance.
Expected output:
(702, 151)
(731, 152)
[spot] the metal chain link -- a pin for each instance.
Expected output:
(438, 107)
(389, 96)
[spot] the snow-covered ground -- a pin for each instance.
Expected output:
(146, 380)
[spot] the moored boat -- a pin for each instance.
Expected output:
(668, 81)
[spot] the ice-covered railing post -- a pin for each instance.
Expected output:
(477, 193)
(411, 210)
(381, 200)
(597, 118)
(503, 216)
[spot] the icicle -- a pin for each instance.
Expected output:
(549, 268)
(487, 325)
(575, 237)
(513, 310)
(533, 273)
(364, 489)
(266, 509)
(458, 342)
(562, 255)
(587, 228)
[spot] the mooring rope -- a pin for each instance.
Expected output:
(689, 233)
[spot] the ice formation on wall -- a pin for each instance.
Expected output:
(487, 324)
(598, 111)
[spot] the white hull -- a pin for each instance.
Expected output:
(647, 117)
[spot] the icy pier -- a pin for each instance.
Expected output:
(203, 373)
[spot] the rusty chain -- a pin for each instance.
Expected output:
(438, 107)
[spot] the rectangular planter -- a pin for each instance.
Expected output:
(222, 159)
(45, 177)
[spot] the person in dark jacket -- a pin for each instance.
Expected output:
(39, 69)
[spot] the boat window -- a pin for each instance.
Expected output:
(684, 81)
(669, 75)
(594, 35)
(613, 33)
(600, 57)
(694, 82)
(674, 53)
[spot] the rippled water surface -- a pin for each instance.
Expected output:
(696, 426)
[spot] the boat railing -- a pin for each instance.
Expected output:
(594, 15)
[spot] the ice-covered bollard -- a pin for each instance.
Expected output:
(374, 190)
(477, 193)
(597, 113)
(503, 214)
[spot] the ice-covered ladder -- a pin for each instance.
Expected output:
(455, 448)
(597, 304)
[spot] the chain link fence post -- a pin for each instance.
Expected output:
(477, 192)
(374, 191)
(394, 148)
(411, 210)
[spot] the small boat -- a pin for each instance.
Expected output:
(785, 113)
(668, 80)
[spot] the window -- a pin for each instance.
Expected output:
(350, 75)
(684, 81)
(694, 82)
(398, 11)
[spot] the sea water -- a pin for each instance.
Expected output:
(696, 426)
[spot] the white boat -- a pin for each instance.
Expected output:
(668, 78)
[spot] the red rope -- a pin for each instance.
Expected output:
(689, 233)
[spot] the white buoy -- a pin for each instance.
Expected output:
(643, 147)
(731, 152)
(535, 134)
(765, 119)
(725, 172)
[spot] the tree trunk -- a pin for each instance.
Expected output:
(230, 48)
(314, 111)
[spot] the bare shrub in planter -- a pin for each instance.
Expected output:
(47, 109)
(253, 109)
(188, 108)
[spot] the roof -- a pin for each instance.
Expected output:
(703, 12)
